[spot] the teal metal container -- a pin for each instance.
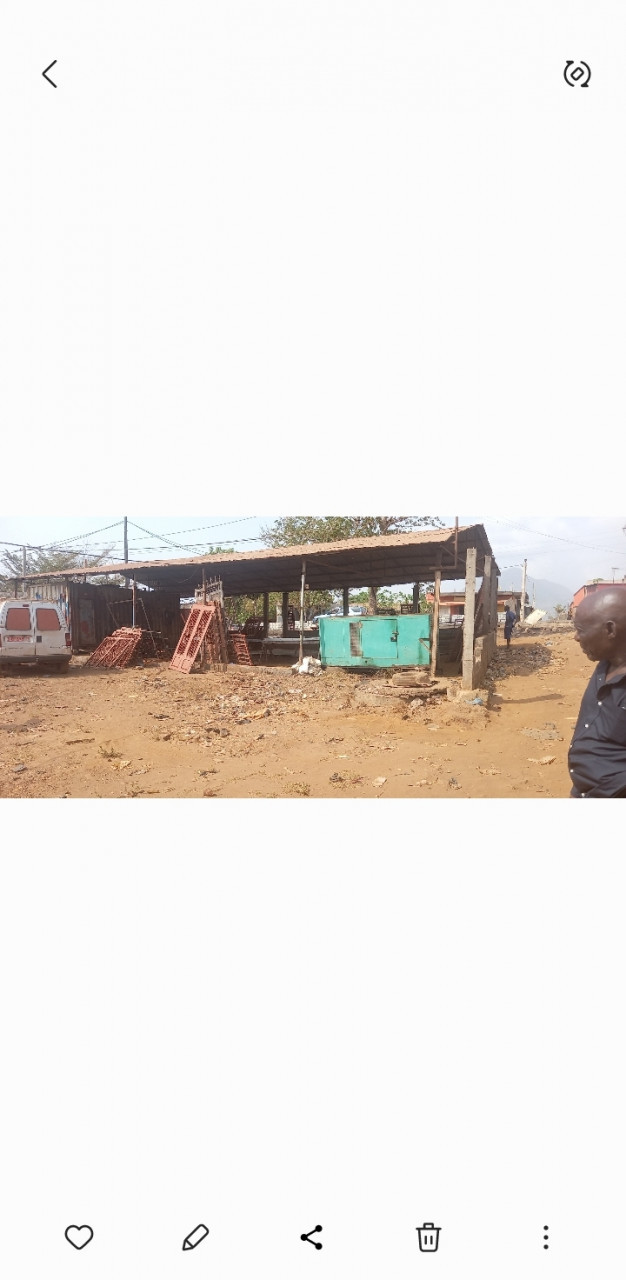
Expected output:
(376, 642)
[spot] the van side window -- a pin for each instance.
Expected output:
(48, 620)
(18, 620)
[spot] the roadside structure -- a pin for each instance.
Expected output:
(590, 588)
(452, 607)
(420, 557)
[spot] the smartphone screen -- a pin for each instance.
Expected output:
(310, 963)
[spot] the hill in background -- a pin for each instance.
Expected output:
(547, 594)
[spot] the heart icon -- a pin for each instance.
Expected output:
(79, 1237)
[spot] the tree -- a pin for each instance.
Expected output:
(560, 612)
(293, 530)
(289, 531)
(49, 561)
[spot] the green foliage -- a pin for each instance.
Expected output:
(295, 530)
(239, 608)
(389, 599)
(51, 561)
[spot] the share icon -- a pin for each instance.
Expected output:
(316, 1244)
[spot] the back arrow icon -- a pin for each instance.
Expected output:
(46, 76)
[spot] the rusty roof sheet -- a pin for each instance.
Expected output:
(326, 562)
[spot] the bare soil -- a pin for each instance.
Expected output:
(267, 733)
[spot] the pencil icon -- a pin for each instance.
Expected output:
(195, 1238)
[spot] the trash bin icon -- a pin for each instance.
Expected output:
(429, 1237)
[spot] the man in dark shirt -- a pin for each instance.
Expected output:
(510, 623)
(597, 758)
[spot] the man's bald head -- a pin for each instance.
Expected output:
(601, 626)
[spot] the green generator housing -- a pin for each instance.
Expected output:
(403, 641)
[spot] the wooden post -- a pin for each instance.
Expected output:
(285, 614)
(487, 595)
(134, 603)
(302, 591)
(266, 614)
(346, 602)
(494, 609)
(434, 646)
(416, 597)
(470, 613)
(68, 612)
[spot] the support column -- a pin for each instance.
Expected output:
(434, 644)
(285, 614)
(346, 602)
(302, 596)
(489, 624)
(487, 595)
(470, 616)
(68, 611)
(203, 651)
(494, 609)
(266, 614)
(416, 597)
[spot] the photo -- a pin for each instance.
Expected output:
(324, 657)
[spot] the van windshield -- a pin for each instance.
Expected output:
(18, 620)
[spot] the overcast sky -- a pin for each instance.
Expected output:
(564, 549)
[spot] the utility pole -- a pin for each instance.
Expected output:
(126, 547)
(614, 567)
(523, 603)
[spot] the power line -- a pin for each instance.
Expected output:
(201, 528)
(555, 537)
(77, 537)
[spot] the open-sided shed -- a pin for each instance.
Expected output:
(421, 556)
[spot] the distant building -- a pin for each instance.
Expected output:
(452, 607)
(590, 588)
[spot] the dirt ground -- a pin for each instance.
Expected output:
(267, 733)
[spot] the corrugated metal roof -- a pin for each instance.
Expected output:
(356, 561)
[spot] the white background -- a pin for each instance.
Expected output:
(367, 1032)
(322, 253)
(238, 228)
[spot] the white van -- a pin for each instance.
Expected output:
(34, 631)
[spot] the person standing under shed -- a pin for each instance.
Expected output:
(597, 756)
(510, 622)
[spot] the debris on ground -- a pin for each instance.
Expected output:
(309, 667)
(549, 734)
(298, 789)
(251, 724)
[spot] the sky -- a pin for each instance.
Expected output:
(567, 550)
